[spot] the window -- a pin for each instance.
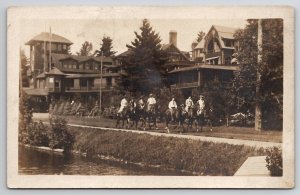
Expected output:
(80, 66)
(70, 66)
(59, 47)
(65, 65)
(74, 66)
(56, 83)
(64, 47)
(83, 83)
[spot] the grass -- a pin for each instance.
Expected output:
(244, 133)
(201, 158)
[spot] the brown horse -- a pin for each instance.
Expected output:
(177, 116)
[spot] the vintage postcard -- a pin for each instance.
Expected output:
(150, 97)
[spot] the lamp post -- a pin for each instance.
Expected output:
(100, 95)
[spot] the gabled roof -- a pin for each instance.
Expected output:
(169, 45)
(45, 36)
(55, 71)
(200, 45)
(40, 76)
(225, 32)
(124, 54)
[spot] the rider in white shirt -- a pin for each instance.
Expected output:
(201, 104)
(172, 106)
(124, 104)
(188, 104)
(141, 103)
(151, 101)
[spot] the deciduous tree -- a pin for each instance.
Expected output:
(271, 69)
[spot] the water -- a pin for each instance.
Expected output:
(36, 162)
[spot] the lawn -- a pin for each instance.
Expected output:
(244, 133)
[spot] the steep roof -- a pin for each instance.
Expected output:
(200, 45)
(40, 76)
(225, 32)
(169, 45)
(45, 36)
(55, 71)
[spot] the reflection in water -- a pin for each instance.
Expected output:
(34, 162)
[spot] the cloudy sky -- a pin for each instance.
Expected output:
(120, 30)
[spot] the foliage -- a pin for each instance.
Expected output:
(200, 36)
(24, 69)
(144, 64)
(59, 135)
(203, 158)
(271, 69)
(25, 116)
(85, 49)
(106, 47)
(274, 161)
(38, 134)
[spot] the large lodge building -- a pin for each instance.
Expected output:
(54, 73)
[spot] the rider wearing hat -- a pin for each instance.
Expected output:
(188, 104)
(124, 104)
(172, 106)
(201, 104)
(151, 101)
(141, 103)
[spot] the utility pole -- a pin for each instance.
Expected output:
(258, 79)
(100, 95)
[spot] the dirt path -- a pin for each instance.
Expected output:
(250, 143)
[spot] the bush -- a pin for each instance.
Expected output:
(59, 135)
(274, 161)
(38, 134)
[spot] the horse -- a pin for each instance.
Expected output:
(151, 116)
(204, 116)
(140, 115)
(189, 117)
(123, 116)
(178, 117)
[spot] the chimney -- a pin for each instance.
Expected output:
(173, 38)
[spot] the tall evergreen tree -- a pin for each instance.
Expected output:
(200, 36)
(85, 49)
(24, 68)
(106, 47)
(144, 64)
(270, 69)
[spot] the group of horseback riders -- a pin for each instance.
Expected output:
(148, 109)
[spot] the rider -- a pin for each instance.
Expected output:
(188, 104)
(201, 104)
(151, 102)
(141, 103)
(132, 103)
(124, 104)
(172, 106)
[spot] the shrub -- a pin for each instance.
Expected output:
(59, 135)
(274, 161)
(37, 134)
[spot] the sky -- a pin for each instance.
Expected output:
(120, 30)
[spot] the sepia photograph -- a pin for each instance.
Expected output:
(150, 97)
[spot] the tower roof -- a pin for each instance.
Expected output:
(46, 36)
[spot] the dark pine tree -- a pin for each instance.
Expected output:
(85, 49)
(24, 69)
(200, 36)
(144, 65)
(106, 47)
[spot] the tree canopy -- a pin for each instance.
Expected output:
(144, 64)
(270, 95)
(24, 68)
(86, 49)
(106, 47)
